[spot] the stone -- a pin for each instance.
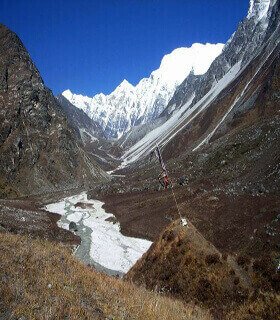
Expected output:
(73, 226)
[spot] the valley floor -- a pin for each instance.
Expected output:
(234, 223)
(237, 226)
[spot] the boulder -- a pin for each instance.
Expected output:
(73, 226)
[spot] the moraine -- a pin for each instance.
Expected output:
(102, 244)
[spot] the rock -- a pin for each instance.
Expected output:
(213, 198)
(182, 181)
(112, 219)
(73, 226)
(39, 150)
(83, 205)
(184, 222)
(6, 315)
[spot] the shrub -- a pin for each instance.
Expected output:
(243, 261)
(236, 281)
(204, 290)
(212, 259)
(224, 256)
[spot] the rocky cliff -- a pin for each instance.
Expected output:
(39, 149)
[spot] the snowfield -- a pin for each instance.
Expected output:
(102, 243)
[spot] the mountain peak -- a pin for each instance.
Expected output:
(67, 94)
(176, 65)
(124, 86)
(125, 83)
(128, 105)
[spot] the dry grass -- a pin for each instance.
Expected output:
(42, 280)
(264, 307)
(183, 265)
(7, 191)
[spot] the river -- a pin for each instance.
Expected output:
(102, 243)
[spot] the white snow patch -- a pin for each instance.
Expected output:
(85, 134)
(258, 9)
(58, 207)
(109, 247)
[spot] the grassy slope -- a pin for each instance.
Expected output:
(184, 265)
(42, 280)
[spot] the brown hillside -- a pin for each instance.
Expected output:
(42, 280)
(182, 264)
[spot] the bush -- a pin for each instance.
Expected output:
(168, 236)
(236, 281)
(212, 259)
(231, 272)
(263, 266)
(205, 291)
(225, 256)
(243, 261)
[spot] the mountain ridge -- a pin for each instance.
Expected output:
(35, 134)
(197, 93)
(142, 103)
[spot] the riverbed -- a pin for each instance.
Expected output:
(102, 243)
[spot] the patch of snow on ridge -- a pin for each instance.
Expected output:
(250, 11)
(175, 66)
(154, 137)
(258, 9)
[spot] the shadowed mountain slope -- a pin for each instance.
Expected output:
(39, 150)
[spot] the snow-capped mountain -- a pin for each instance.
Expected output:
(197, 112)
(130, 105)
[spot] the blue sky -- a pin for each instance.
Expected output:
(90, 46)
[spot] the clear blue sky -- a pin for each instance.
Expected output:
(90, 46)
